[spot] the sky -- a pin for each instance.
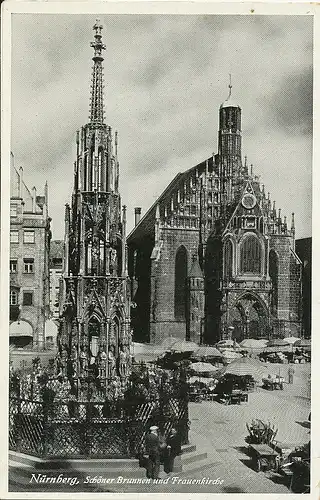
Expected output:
(165, 78)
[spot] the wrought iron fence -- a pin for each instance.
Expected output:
(89, 429)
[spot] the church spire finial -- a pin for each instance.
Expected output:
(96, 98)
(230, 86)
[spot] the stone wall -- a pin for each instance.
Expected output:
(162, 314)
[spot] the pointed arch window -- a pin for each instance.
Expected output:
(273, 272)
(180, 284)
(94, 334)
(250, 255)
(228, 260)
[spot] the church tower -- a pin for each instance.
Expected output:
(229, 149)
(94, 338)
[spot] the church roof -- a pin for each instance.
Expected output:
(146, 225)
(229, 103)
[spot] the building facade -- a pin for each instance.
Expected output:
(94, 337)
(304, 251)
(56, 271)
(30, 236)
(213, 257)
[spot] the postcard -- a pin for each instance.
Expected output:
(157, 199)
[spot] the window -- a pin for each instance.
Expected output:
(228, 258)
(14, 236)
(13, 266)
(274, 272)
(28, 265)
(28, 237)
(13, 297)
(250, 255)
(180, 284)
(13, 210)
(27, 298)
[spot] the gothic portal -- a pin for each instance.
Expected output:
(213, 257)
(94, 337)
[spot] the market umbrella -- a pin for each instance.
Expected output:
(278, 342)
(229, 355)
(203, 380)
(202, 367)
(303, 343)
(262, 343)
(168, 342)
(251, 343)
(245, 366)
(292, 340)
(139, 350)
(207, 351)
(225, 343)
(184, 346)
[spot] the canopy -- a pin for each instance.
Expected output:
(225, 343)
(278, 342)
(20, 329)
(207, 351)
(184, 346)
(203, 367)
(230, 355)
(292, 340)
(252, 343)
(303, 343)
(203, 380)
(168, 342)
(245, 366)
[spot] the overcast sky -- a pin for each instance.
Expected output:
(165, 78)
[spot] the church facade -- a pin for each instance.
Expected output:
(213, 257)
(94, 337)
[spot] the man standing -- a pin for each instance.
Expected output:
(290, 374)
(153, 451)
(173, 449)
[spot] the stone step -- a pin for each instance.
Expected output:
(25, 471)
(192, 457)
(85, 464)
(19, 478)
(188, 458)
(186, 448)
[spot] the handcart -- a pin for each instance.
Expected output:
(264, 457)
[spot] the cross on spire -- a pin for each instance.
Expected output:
(230, 86)
(96, 98)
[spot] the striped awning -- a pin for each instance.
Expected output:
(20, 329)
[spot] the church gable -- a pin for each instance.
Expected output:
(248, 214)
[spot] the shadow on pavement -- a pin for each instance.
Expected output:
(279, 479)
(304, 424)
(233, 489)
(242, 449)
(248, 462)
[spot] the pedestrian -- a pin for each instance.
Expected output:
(173, 449)
(290, 374)
(162, 446)
(152, 445)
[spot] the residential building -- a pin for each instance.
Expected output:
(30, 236)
